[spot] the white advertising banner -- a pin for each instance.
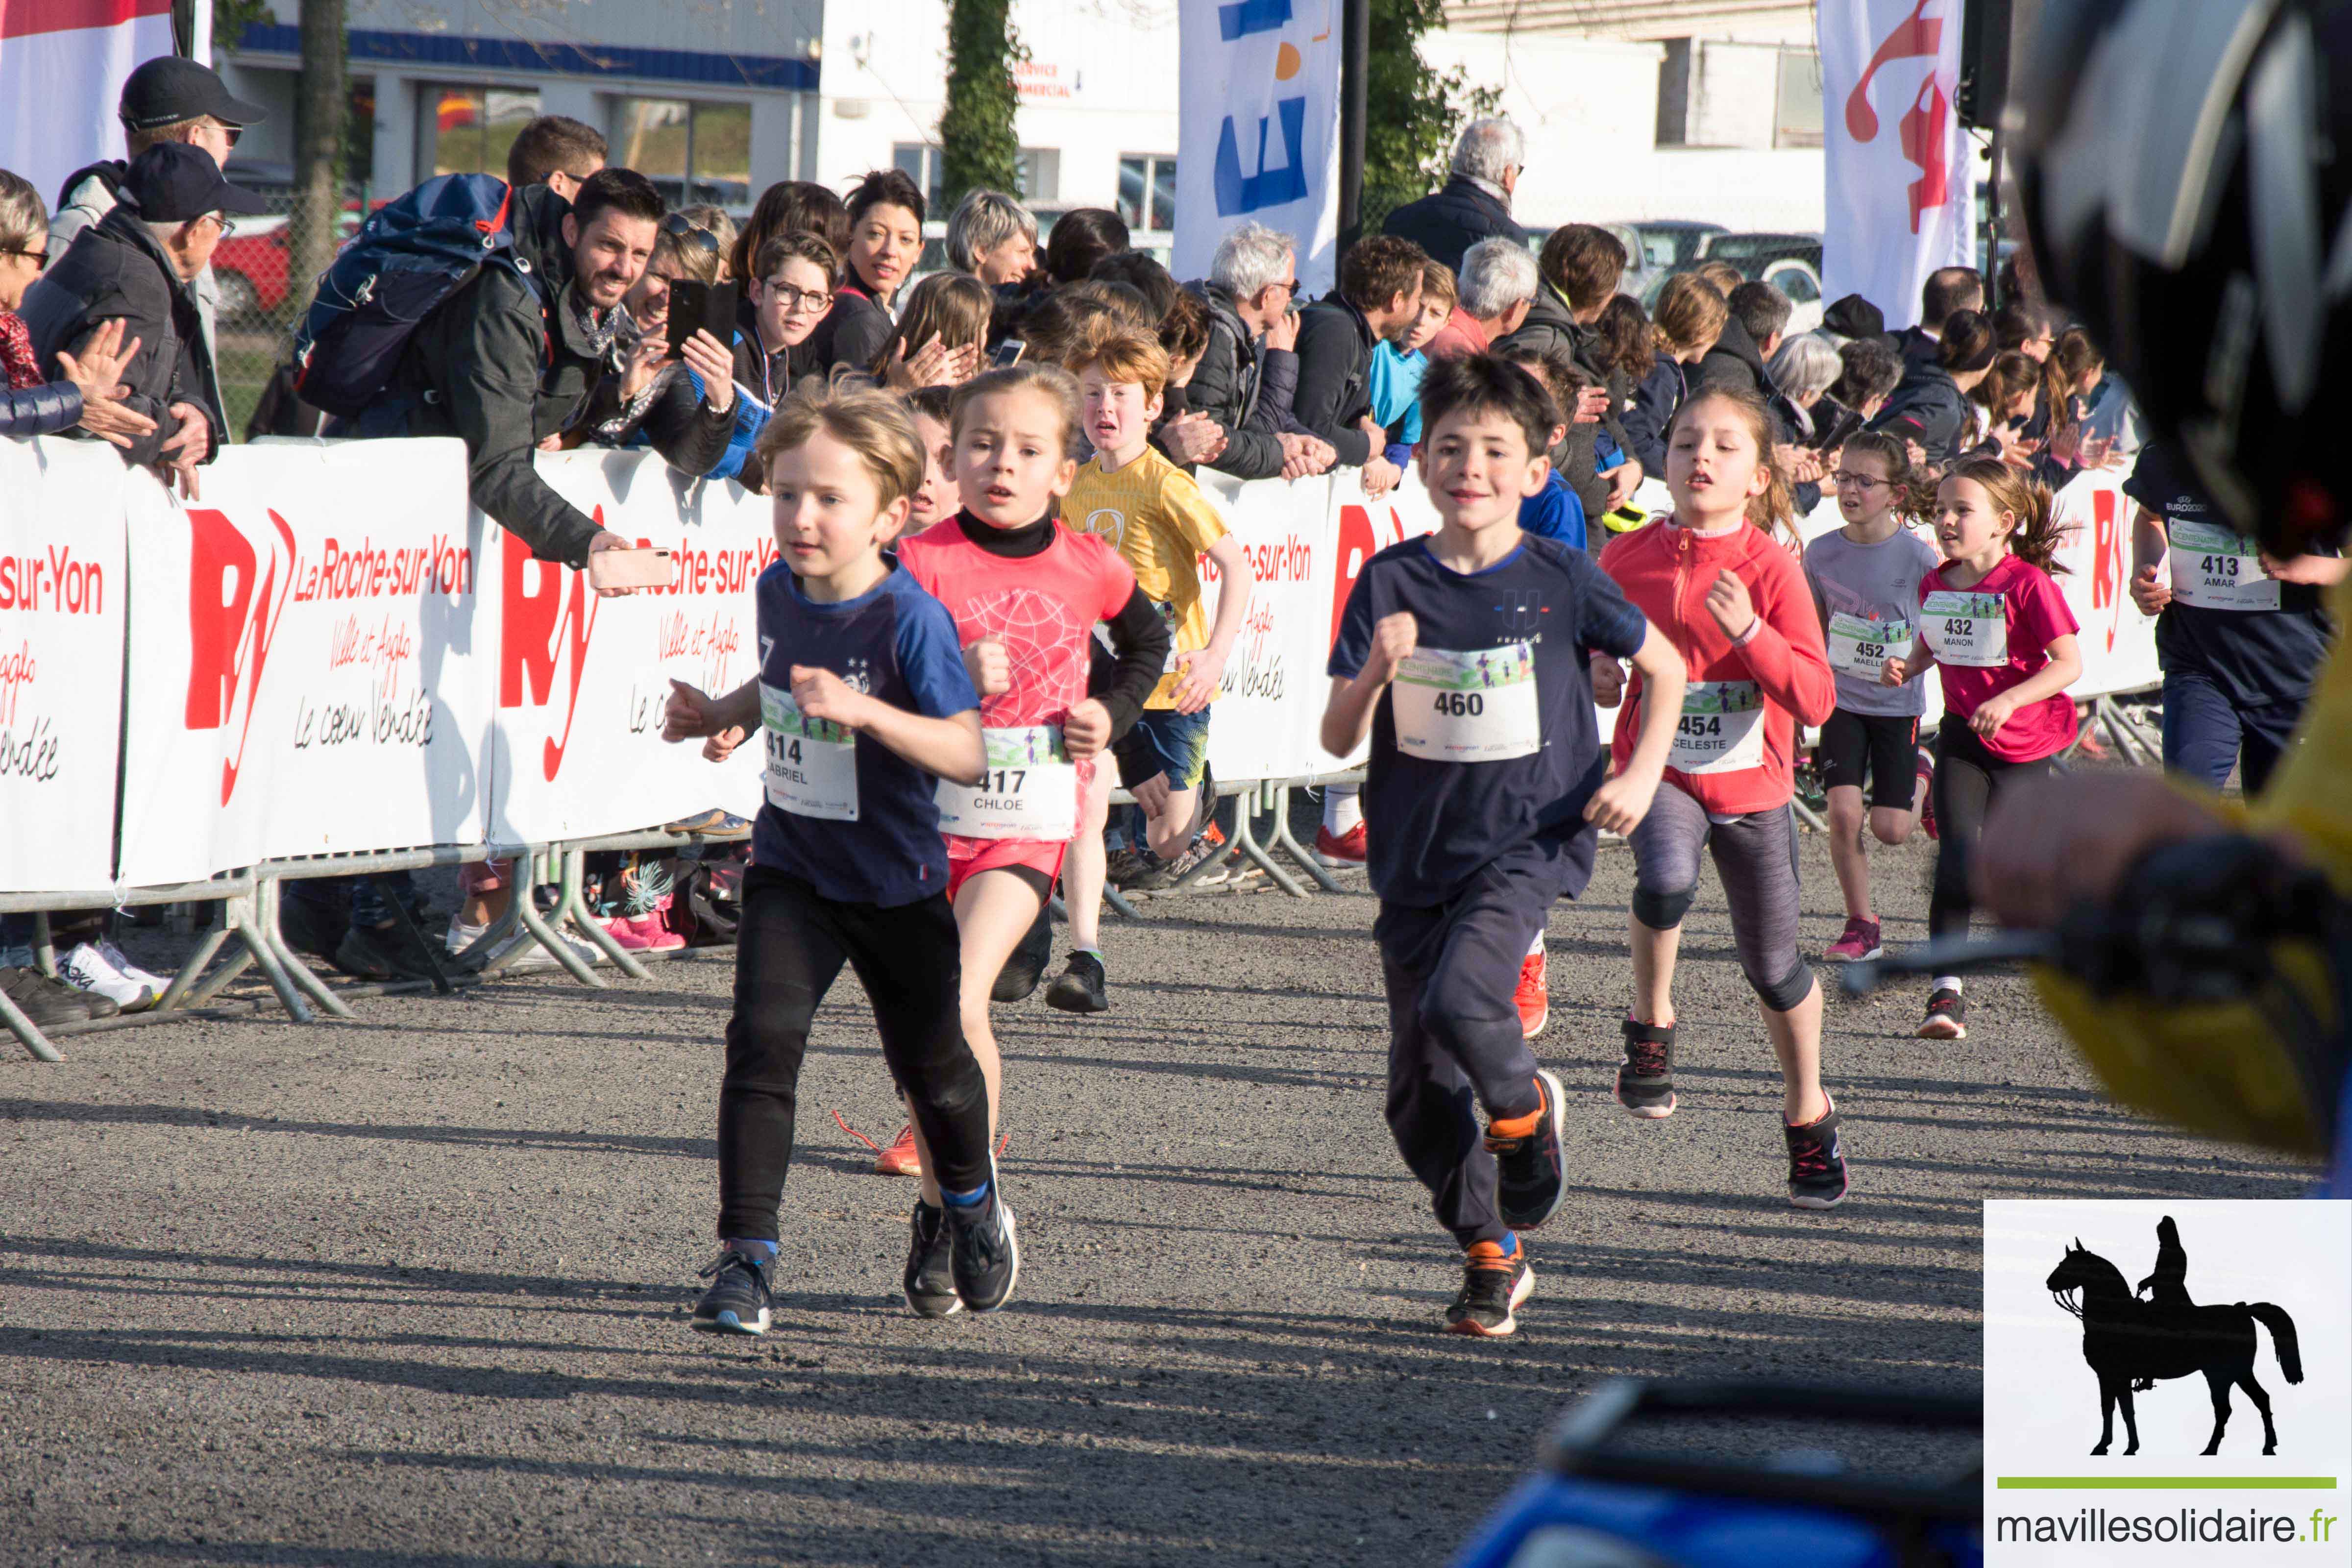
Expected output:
(581, 680)
(2118, 643)
(63, 597)
(1901, 198)
(308, 673)
(1258, 136)
(61, 67)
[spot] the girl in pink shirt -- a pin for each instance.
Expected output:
(1718, 581)
(1994, 621)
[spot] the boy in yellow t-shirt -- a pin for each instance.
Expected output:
(1161, 524)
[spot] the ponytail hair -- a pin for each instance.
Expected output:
(1914, 488)
(2035, 541)
(1774, 512)
(2073, 356)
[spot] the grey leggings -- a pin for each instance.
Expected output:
(1756, 856)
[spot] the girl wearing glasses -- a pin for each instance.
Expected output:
(1866, 579)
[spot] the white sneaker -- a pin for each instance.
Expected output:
(129, 970)
(86, 968)
(462, 936)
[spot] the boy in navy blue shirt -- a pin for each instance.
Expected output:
(865, 702)
(1464, 655)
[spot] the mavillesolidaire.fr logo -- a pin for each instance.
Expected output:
(2167, 1382)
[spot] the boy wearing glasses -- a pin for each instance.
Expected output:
(784, 300)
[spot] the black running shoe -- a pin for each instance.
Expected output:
(1492, 1289)
(931, 1277)
(1529, 1175)
(1817, 1178)
(740, 1298)
(51, 1003)
(1079, 987)
(986, 1249)
(1022, 972)
(1947, 1019)
(383, 952)
(1646, 1080)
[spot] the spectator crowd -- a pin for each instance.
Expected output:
(564, 341)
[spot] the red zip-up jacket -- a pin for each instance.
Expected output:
(1666, 571)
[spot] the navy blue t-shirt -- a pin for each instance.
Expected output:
(2256, 657)
(896, 643)
(1435, 824)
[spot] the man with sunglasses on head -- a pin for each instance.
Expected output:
(139, 265)
(165, 101)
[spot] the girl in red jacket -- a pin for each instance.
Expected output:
(1718, 581)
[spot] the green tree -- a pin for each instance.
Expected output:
(980, 147)
(1414, 113)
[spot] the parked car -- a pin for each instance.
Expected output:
(254, 270)
(1791, 262)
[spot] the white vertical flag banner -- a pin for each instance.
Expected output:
(1902, 185)
(1258, 86)
(61, 67)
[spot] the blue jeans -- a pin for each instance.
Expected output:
(2206, 733)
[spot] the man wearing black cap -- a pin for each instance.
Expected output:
(166, 99)
(171, 207)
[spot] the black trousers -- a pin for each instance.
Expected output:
(1454, 1040)
(790, 945)
(1969, 779)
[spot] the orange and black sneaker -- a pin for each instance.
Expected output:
(1533, 998)
(1494, 1285)
(1530, 1168)
(900, 1159)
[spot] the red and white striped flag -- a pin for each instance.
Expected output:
(61, 67)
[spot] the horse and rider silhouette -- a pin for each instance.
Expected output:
(2131, 1343)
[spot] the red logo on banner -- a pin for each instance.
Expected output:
(233, 612)
(535, 629)
(2106, 560)
(1358, 542)
(1925, 126)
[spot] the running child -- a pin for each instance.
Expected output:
(1024, 592)
(1717, 581)
(866, 706)
(1152, 513)
(1484, 793)
(1994, 621)
(1865, 580)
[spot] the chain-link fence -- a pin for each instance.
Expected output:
(264, 290)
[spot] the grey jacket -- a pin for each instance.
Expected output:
(1245, 387)
(91, 197)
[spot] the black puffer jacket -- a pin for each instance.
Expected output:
(1233, 385)
(1549, 323)
(1447, 222)
(493, 368)
(1733, 364)
(1334, 376)
(116, 269)
(1930, 408)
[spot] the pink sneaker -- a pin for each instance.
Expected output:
(624, 930)
(1859, 943)
(654, 926)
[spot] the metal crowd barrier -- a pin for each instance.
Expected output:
(249, 903)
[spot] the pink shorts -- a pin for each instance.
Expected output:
(996, 854)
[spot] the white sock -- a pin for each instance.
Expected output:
(1946, 983)
(1535, 947)
(1342, 810)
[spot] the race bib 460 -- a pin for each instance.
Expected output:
(1474, 707)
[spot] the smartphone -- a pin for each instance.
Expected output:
(629, 568)
(709, 307)
(1008, 355)
(1847, 422)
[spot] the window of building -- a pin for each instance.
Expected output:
(693, 153)
(466, 129)
(1675, 93)
(1797, 121)
(927, 166)
(1146, 191)
(1036, 178)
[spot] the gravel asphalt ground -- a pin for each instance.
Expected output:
(413, 1291)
